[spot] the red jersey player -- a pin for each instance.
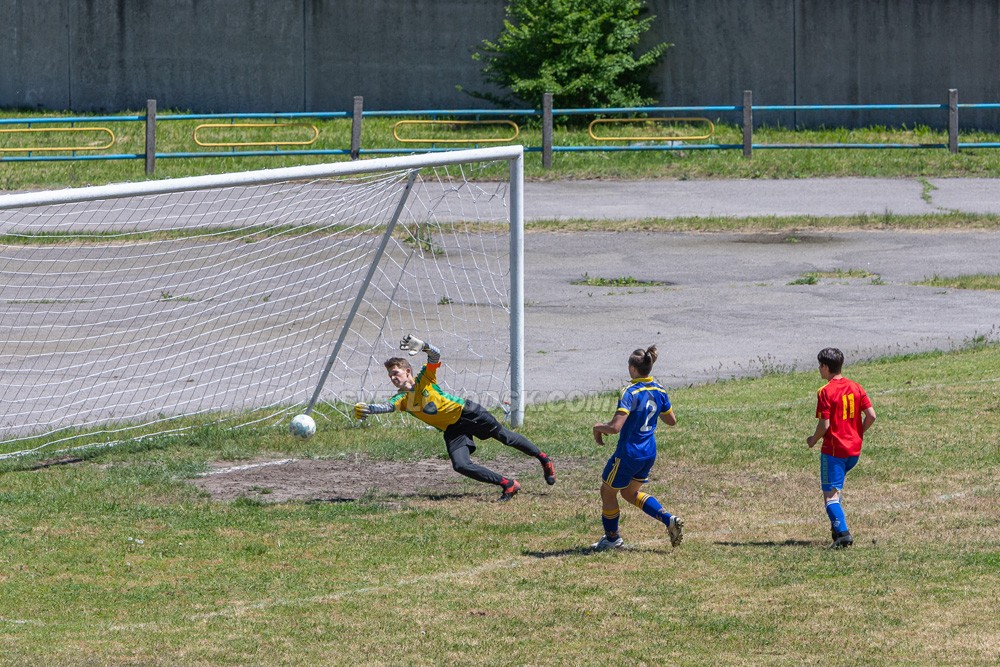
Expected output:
(844, 413)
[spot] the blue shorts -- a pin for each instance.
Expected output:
(833, 470)
(620, 471)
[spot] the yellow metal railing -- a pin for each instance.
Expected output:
(56, 130)
(705, 134)
(235, 144)
(462, 123)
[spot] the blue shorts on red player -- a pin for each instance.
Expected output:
(833, 470)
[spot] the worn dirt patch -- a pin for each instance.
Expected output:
(340, 480)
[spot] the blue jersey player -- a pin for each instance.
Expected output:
(642, 404)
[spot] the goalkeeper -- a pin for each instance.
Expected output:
(458, 418)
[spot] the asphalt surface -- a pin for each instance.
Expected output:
(729, 309)
(725, 307)
(746, 198)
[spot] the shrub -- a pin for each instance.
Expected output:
(581, 51)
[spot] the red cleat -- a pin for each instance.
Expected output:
(508, 491)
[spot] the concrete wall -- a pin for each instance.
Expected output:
(900, 51)
(398, 54)
(721, 48)
(832, 52)
(311, 55)
(242, 55)
(34, 55)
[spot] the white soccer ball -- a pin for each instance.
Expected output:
(303, 427)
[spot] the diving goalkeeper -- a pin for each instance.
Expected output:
(458, 418)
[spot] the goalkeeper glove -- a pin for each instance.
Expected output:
(361, 410)
(412, 345)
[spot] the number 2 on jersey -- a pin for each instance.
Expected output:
(649, 424)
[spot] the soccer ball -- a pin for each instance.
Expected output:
(303, 427)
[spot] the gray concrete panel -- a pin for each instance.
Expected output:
(35, 51)
(398, 55)
(721, 48)
(202, 55)
(895, 51)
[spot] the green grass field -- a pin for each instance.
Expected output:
(119, 559)
(116, 557)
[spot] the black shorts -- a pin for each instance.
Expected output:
(474, 422)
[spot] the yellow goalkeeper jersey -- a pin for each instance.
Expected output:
(427, 402)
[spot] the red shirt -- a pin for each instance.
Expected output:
(842, 401)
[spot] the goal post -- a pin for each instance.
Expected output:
(137, 309)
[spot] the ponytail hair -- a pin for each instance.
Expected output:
(643, 360)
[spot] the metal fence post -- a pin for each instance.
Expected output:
(747, 123)
(150, 137)
(359, 107)
(547, 130)
(953, 120)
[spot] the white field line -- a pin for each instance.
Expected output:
(248, 466)
(240, 608)
(19, 621)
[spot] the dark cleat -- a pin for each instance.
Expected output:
(842, 540)
(548, 470)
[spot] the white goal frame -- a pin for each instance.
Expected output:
(513, 155)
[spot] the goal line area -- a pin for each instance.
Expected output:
(146, 308)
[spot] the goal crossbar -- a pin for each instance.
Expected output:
(262, 176)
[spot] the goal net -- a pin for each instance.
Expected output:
(149, 308)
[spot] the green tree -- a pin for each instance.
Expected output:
(581, 51)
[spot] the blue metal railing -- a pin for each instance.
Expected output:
(442, 116)
(437, 114)
(298, 115)
(72, 122)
